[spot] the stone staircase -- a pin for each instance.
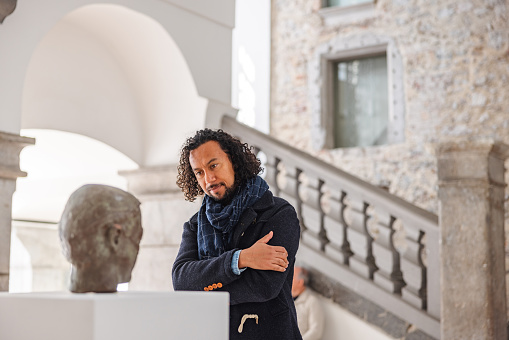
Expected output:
(372, 252)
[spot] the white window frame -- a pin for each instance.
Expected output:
(321, 85)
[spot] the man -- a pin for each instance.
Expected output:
(309, 311)
(243, 240)
(100, 232)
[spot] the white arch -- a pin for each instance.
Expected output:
(57, 165)
(203, 39)
(115, 75)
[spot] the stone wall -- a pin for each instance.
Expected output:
(455, 56)
(455, 77)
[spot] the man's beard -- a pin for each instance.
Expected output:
(229, 193)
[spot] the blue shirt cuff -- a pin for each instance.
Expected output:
(235, 263)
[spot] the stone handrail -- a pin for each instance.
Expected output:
(361, 236)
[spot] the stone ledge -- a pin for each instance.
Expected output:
(152, 181)
(479, 159)
(11, 172)
(364, 309)
(10, 148)
(474, 145)
(14, 138)
(337, 14)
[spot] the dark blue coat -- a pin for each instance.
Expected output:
(265, 293)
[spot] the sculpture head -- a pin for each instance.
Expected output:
(6, 9)
(100, 232)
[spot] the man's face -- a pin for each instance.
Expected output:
(213, 170)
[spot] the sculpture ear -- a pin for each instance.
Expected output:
(114, 232)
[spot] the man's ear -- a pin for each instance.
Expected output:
(114, 232)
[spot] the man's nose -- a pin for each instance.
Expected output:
(209, 177)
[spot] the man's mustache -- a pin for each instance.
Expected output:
(212, 186)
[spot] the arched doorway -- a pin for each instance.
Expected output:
(131, 74)
(116, 76)
(57, 165)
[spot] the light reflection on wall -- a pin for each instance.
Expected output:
(246, 95)
(251, 63)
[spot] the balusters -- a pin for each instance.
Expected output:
(314, 234)
(271, 172)
(364, 233)
(431, 261)
(362, 261)
(288, 184)
(389, 274)
(334, 223)
(413, 268)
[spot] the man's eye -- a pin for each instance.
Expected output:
(198, 173)
(213, 166)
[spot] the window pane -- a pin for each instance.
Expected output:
(331, 3)
(361, 107)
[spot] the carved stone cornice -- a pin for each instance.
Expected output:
(10, 148)
(6, 8)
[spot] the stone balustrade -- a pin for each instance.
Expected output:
(387, 246)
(447, 278)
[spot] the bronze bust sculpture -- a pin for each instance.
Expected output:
(100, 232)
(6, 9)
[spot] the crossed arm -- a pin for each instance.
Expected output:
(266, 264)
(263, 256)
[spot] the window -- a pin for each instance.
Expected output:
(332, 3)
(356, 93)
(360, 108)
(340, 11)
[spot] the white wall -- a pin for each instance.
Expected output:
(201, 29)
(75, 84)
(115, 75)
(20, 266)
(343, 325)
(57, 165)
(251, 63)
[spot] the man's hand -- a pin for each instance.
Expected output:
(263, 256)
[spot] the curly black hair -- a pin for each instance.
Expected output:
(245, 164)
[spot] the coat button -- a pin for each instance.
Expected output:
(214, 286)
(219, 285)
(206, 289)
(210, 287)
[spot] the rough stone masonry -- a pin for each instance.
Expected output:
(455, 61)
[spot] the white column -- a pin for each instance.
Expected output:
(10, 148)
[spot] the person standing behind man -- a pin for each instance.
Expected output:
(243, 240)
(309, 311)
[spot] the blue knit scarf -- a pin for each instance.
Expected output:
(215, 221)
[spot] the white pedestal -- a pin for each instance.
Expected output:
(123, 316)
